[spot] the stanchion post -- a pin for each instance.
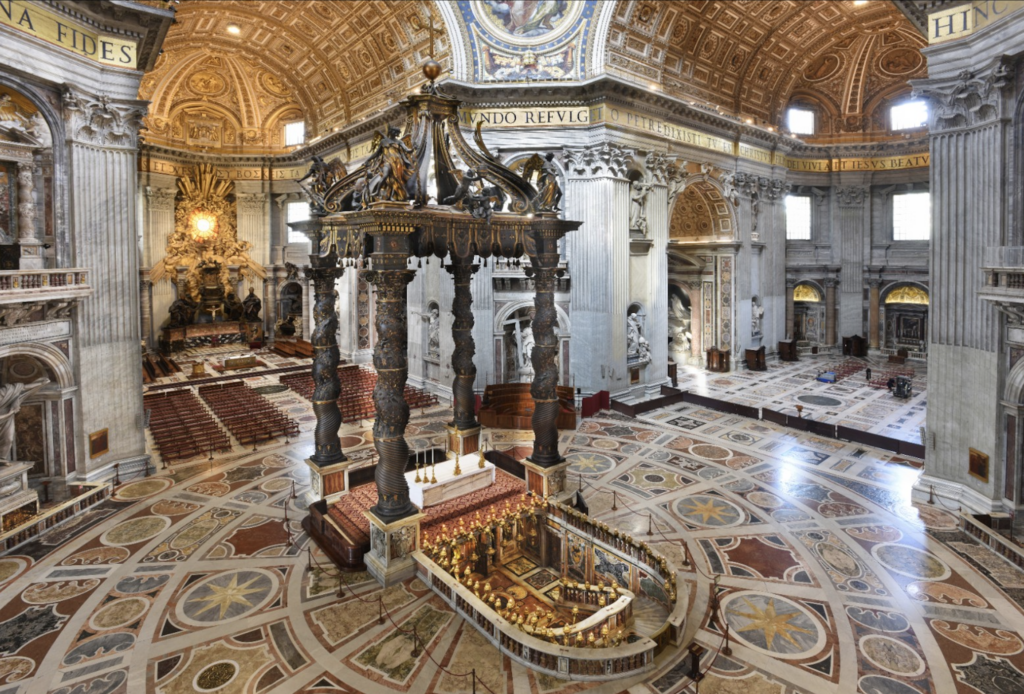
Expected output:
(117, 474)
(726, 650)
(380, 610)
(415, 644)
(293, 490)
(474, 680)
(615, 501)
(650, 524)
(931, 494)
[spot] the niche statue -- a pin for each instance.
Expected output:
(251, 307)
(11, 397)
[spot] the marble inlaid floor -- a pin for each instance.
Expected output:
(851, 402)
(830, 580)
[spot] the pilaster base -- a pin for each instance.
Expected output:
(949, 495)
(391, 546)
(463, 441)
(545, 481)
(327, 482)
(31, 255)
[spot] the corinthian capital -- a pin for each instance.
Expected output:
(250, 202)
(605, 159)
(971, 98)
(97, 120)
(852, 196)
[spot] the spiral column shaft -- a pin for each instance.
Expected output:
(324, 272)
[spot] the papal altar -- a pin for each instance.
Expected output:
(439, 482)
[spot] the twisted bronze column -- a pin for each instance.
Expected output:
(544, 271)
(463, 403)
(324, 272)
(391, 359)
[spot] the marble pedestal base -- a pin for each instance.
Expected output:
(546, 481)
(327, 482)
(14, 490)
(391, 546)
(463, 441)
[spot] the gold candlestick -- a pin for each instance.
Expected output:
(417, 480)
(433, 479)
(458, 470)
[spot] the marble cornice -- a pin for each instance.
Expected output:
(151, 24)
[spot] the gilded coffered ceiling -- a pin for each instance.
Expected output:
(234, 71)
(752, 57)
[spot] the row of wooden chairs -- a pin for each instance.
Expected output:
(248, 415)
(181, 426)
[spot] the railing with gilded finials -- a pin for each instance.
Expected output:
(14, 280)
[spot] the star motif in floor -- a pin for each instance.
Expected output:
(226, 596)
(708, 509)
(771, 622)
(589, 463)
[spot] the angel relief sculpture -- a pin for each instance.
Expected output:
(481, 201)
(323, 175)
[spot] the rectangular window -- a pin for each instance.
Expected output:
(294, 133)
(798, 218)
(909, 115)
(912, 217)
(800, 121)
(297, 212)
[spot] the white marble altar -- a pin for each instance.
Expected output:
(449, 485)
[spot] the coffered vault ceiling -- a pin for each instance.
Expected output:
(331, 63)
(752, 56)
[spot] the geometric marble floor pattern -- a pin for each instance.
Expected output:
(829, 578)
(851, 402)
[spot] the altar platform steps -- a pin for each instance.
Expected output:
(347, 547)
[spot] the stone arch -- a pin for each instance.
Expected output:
(49, 355)
(1013, 392)
(701, 213)
(500, 338)
(904, 316)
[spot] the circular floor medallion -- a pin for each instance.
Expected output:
(173, 507)
(143, 488)
(135, 530)
(227, 596)
(10, 567)
(119, 613)
(772, 624)
(215, 676)
(877, 683)
(820, 400)
(709, 511)
(892, 655)
(839, 560)
(910, 561)
(278, 485)
(606, 444)
(765, 500)
(97, 555)
(709, 451)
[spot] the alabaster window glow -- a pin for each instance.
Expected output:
(297, 212)
(798, 218)
(800, 121)
(912, 217)
(204, 226)
(908, 115)
(294, 133)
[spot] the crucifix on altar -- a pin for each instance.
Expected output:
(381, 216)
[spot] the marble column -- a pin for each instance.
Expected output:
(853, 228)
(830, 311)
(656, 375)
(146, 307)
(597, 193)
(970, 89)
(157, 227)
(253, 211)
(102, 139)
(873, 313)
(464, 428)
(790, 309)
